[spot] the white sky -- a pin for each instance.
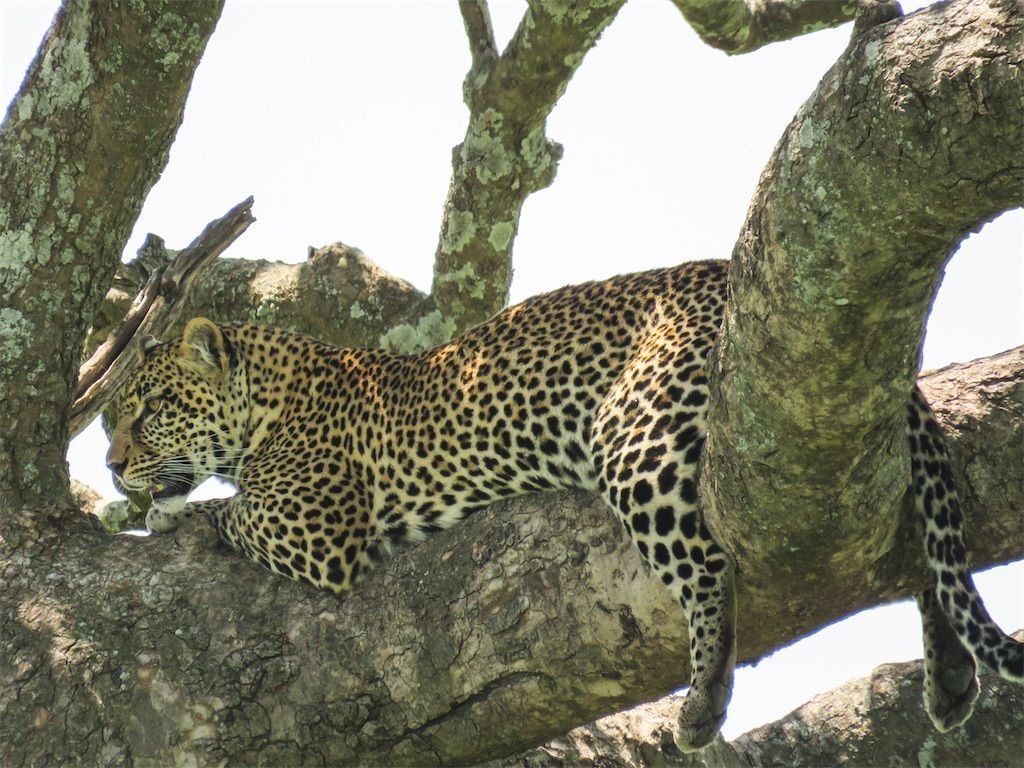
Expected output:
(340, 118)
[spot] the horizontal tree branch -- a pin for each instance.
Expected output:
(882, 715)
(337, 295)
(873, 720)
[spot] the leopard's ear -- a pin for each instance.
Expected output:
(202, 349)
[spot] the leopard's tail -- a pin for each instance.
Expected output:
(939, 507)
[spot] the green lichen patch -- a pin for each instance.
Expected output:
(67, 71)
(464, 280)
(459, 231)
(501, 235)
(536, 151)
(431, 330)
(484, 151)
(15, 332)
(16, 255)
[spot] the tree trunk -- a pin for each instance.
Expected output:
(83, 142)
(911, 141)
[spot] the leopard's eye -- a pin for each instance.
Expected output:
(151, 406)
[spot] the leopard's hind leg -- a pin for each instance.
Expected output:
(647, 439)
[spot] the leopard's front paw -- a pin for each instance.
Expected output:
(701, 716)
(165, 515)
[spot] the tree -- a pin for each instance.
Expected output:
(149, 660)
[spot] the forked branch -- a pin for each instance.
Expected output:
(506, 154)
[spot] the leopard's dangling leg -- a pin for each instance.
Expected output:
(952, 609)
(672, 537)
(709, 599)
(950, 681)
(647, 443)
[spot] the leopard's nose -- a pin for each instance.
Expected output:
(116, 465)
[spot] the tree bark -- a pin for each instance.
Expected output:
(338, 295)
(80, 147)
(742, 26)
(537, 612)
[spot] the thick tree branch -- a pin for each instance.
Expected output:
(741, 26)
(881, 715)
(910, 141)
(337, 294)
(538, 612)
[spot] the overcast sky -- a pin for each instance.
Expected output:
(340, 118)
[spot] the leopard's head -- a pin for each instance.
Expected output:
(176, 421)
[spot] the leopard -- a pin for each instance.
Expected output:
(339, 455)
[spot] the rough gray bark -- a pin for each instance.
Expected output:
(879, 720)
(537, 612)
(80, 147)
(910, 142)
(876, 720)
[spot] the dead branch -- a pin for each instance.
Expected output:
(157, 305)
